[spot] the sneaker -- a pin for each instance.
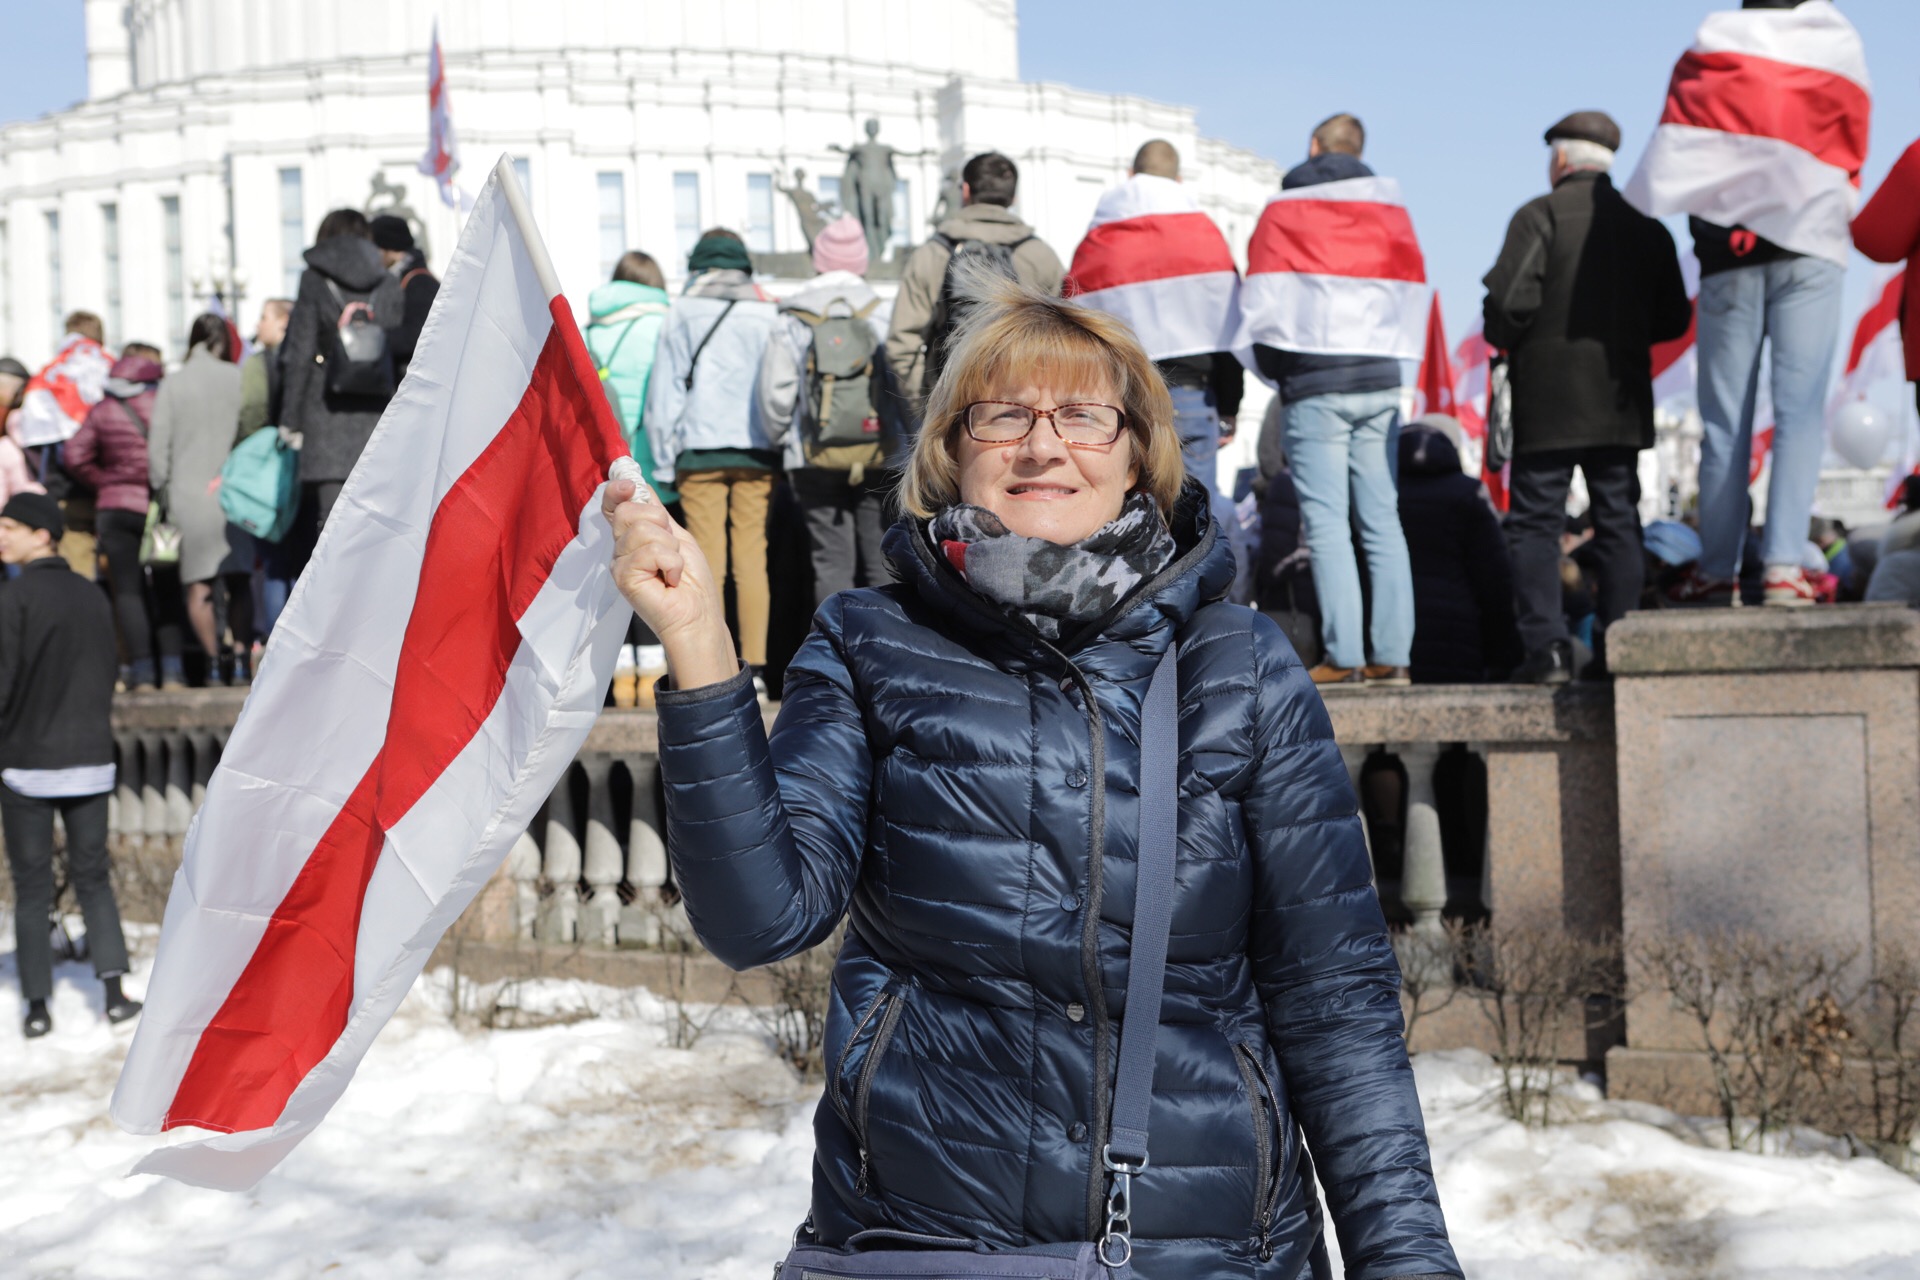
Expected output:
(1786, 587)
(1698, 589)
(1548, 666)
(1327, 673)
(1388, 677)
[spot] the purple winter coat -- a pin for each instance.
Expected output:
(109, 452)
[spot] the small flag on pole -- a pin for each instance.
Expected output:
(432, 678)
(442, 160)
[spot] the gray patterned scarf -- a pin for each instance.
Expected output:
(1052, 586)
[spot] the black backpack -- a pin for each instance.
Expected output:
(950, 309)
(358, 358)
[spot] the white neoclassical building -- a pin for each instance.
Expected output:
(217, 133)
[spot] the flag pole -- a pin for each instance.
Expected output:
(523, 214)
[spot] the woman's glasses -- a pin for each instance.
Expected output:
(1003, 422)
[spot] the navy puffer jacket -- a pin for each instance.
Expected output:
(953, 779)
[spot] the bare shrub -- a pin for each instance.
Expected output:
(1534, 984)
(1429, 971)
(687, 1019)
(1890, 1043)
(797, 1019)
(1774, 1019)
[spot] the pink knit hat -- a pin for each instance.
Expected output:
(841, 246)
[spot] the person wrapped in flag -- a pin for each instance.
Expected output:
(1335, 297)
(1761, 143)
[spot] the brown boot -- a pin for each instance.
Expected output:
(1327, 673)
(1388, 677)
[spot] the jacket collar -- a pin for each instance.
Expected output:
(55, 563)
(1200, 573)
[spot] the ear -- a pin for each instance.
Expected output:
(966, 193)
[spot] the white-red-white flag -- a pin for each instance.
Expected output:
(442, 160)
(1155, 260)
(1765, 128)
(56, 399)
(432, 677)
(1876, 354)
(1676, 363)
(1336, 269)
(1433, 388)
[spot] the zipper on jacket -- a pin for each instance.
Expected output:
(882, 1036)
(853, 1040)
(1265, 1106)
(1090, 972)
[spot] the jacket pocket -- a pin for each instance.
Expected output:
(1273, 1157)
(850, 1084)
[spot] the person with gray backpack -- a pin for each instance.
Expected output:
(822, 395)
(986, 234)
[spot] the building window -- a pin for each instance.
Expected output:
(613, 221)
(902, 217)
(110, 242)
(56, 287)
(686, 212)
(176, 277)
(523, 170)
(293, 231)
(760, 212)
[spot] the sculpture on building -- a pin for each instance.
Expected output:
(391, 198)
(806, 206)
(867, 185)
(950, 199)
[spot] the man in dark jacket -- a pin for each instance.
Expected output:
(1585, 286)
(1462, 580)
(394, 239)
(57, 659)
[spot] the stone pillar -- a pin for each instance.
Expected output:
(1355, 758)
(129, 816)
(601, 858)
(559, 916)
(1769, 781)
(1423, 876)
(179, 794)
(640, 923)
(153, 792)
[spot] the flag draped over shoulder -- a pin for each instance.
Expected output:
(432, 677)
(1156, 261)
(1765, 128)
(56, 399)
(1336, 269)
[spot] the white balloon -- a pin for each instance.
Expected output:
(1861, 433)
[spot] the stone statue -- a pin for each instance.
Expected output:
(866, 187)
(950, 199)
(812, 215)
(390, 197)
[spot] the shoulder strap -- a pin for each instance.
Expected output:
(407, 279)
(607, 364)
(1126, 1149)
(695, 362)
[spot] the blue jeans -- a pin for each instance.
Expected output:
(1197, 422)
(1339, 445)
(1796, 303)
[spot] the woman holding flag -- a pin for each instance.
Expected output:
(960, 770)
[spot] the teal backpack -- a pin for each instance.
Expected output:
(260, 485)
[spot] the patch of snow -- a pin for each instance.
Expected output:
(588, 1148)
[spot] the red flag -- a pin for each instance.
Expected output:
(1433, 390)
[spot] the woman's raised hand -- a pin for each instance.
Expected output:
(660, 570)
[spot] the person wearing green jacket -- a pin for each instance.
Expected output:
(622, 335)
(623, 332)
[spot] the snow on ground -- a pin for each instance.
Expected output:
(588, 1148)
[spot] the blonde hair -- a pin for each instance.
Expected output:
(1015, 335)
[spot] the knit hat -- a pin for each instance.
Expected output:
(392, 233)
(36, 511)
(841, 246)
(719, 253)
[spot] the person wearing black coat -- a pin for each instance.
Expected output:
(956, 773)
(1463, 630)
(343, 267)
(1584, 287)
(394, 238)
(58, 661)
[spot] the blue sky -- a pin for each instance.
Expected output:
(1455, 94)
